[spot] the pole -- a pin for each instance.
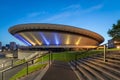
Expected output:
(32, 61)
(27, 67)
(2, 75)
(105, 53)
(75, 61)
(42, 59)
(12, 63)
(49, 59)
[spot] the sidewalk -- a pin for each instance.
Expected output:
(59, 71)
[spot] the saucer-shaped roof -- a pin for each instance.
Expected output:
(55, 34)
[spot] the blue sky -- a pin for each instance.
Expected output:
(94, 15)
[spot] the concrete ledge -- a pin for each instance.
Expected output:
(42, 73)
(75, 71)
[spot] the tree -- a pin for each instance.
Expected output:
(115, 31)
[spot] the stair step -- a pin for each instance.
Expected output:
(86, 73)
(94, 68)
(108, 60)
(106, 77)
(101, 69)
(106, 67)
(94, 72)
(115, 66)
(81, 75)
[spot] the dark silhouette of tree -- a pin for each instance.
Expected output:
(115, 31)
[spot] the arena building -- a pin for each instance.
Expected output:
(55, 36)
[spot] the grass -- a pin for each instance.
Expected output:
(64, 56)
(89, 53)
(68, 56)
(19, 62)
(42, 59)
(61, 56)
(31, 69)
(113, 49)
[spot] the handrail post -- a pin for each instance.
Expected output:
(27, 67)
(12, 63)
(3, 75)
(49, 59)
(104, 53)
(76, 62)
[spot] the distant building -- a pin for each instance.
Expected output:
(13, 46)
(113, 44)
(7, 46)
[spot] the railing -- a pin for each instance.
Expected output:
(13, 68)
(78, 55)
(7, 63)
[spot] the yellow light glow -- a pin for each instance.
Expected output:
(118, 47)
(78, 41)
(89, 46)
(68, 40)
(27, 39)
(35, 39)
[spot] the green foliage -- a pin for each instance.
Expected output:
(115, 31)
(19, 62)
(62, 56)
(89, 53)
(68, 56)
(44, 58)
(31, 68)
(113, 49)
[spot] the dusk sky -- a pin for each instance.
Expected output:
(94, 15)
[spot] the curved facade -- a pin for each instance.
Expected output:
(55, 35)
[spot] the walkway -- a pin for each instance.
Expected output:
(60, 71)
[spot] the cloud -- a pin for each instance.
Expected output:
(65, 13)
(58, 16)
(73, 10)
(31, 17)
(93, 8)
(74, 6)
(34, 14)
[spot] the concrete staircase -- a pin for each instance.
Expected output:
(94, 68)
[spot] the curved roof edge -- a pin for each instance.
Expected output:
(59, 27)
